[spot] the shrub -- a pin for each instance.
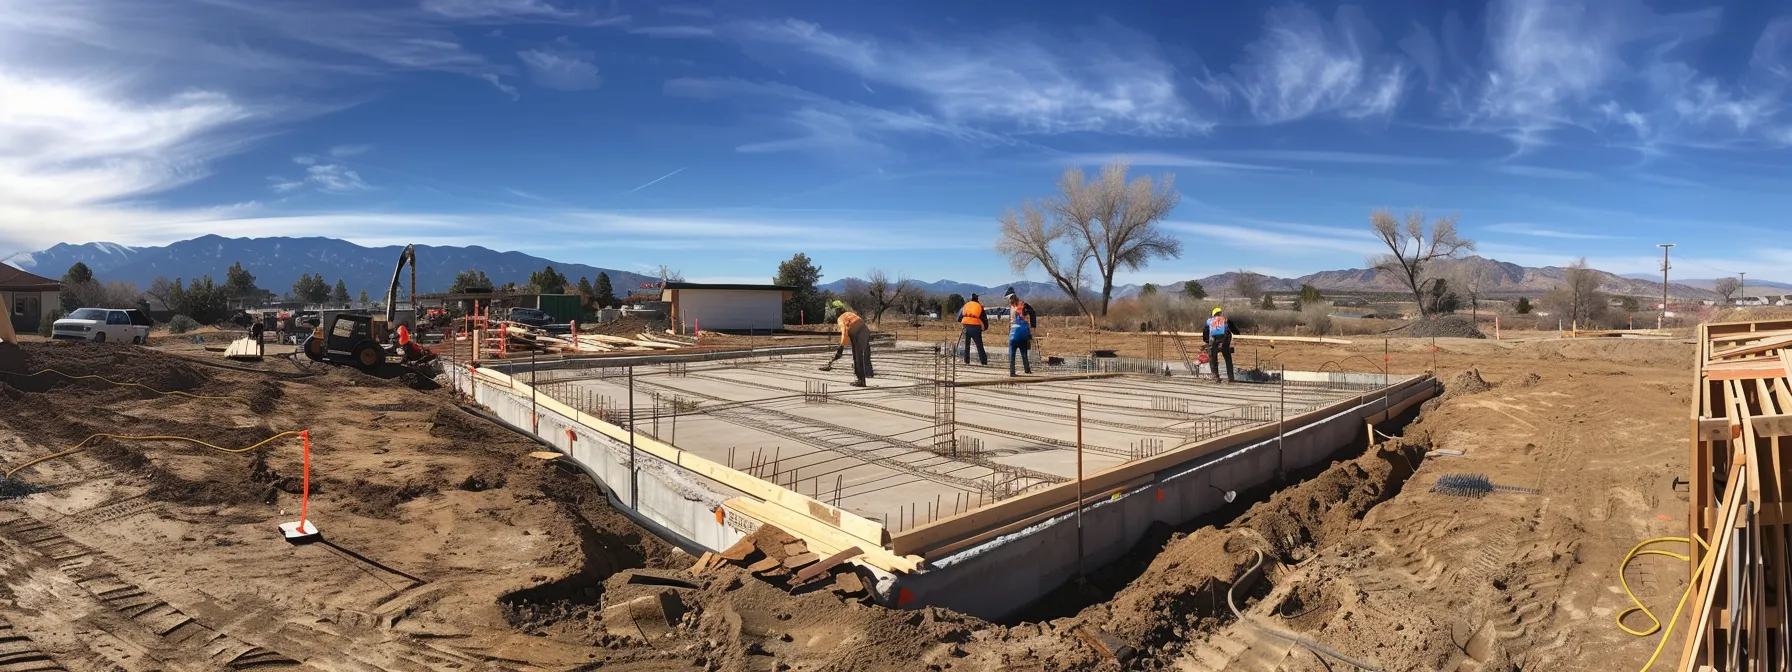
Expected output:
(182, 324)
(47, 325)
(1318, 317)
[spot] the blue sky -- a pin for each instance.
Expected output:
(720, 137)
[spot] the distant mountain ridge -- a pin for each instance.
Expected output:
(277, 262)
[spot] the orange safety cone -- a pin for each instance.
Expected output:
(303, 531)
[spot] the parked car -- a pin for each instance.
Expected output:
(529, 316)
(104, 324)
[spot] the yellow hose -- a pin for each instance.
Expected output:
(125, 384)
(1639, 550)
(84, 443)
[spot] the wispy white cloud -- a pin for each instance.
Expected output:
(684, 9)
(324, 176)
(70, 144)
(1105, 78)
(1304, 65)
(562, 66)
(1158, 159)
(1304, 156)
(1267, 240)
(1543, 172)
(346, 151)
(1670, 181)
(1537, 231)
(674, 31)
(519, 11)
(498, 83)
(826, 126)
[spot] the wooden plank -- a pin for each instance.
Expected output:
(243, 349)
(1750, 336)
(1035, 519)
(828, 563)
(1259, 337)
(819, 537)
(740, 550)
(948, 530)
(1703, 607)
(1037, 379)
(869, 533)
(1745, 374)
(1716, 429)
(1771, 425)
(800, 559)
(1763, 346)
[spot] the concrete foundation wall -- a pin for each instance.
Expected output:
(990, 580)
(1005, 574)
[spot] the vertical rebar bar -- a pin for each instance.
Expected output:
(1079, 485)
(634, 480)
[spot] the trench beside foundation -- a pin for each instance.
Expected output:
(957, 482)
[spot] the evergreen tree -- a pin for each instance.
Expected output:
(1194, 290)
(469, 279)
(548, 281)
(363, 300)
(603, 294)
(339, 295)
(239, 283)
(1268, 303)
(1524, 306)
(805, 302)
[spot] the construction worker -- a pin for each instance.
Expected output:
(1020, 334)
(854, 334)
(258, 331)
(975, 321)
(1218, 337)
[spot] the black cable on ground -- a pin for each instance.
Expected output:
(1311, 645)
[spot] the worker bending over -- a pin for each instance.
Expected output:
(1020, 334)
(975, 321)
(1218, 337)
(854, 334)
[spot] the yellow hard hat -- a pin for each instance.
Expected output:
(1216, 310)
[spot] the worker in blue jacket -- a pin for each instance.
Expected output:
(1218, 337)
(1020, 334)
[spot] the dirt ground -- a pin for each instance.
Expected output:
(452, 548)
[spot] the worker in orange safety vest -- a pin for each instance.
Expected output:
(975, 321)
(1218, 337)
(853, 334)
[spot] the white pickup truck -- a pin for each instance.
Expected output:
(104, 324)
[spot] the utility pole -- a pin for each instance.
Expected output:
(1742, 285)
(1662, 320)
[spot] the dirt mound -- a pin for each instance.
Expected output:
(53, 365)
(627, 327)
(1182, 590)
(1466, 383)
(1442, 326)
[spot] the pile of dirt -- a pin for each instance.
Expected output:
(1442, 326)
(1181, 591)
(55, 365)
(1466, 383)
(627, 327)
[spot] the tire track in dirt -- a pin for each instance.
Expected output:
(184, 636)
(19, 654)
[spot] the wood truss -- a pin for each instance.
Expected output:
(1741, 484)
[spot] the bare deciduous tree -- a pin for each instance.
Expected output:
(1578, 297)
(1726, 287)
(1471, 279)
(877, 292)
(1249, 285)
(1108, 220)
(1411, 251)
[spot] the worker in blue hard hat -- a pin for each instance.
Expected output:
(1218, 337)
(853, 334)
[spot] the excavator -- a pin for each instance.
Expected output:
(367, 341)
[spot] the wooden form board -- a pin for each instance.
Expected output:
(868, 534)
(1272, 339)
(243, 348)
(1740, 425)
(948, 531)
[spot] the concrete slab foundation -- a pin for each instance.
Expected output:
(947, 459)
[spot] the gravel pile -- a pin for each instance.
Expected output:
(1466, 383)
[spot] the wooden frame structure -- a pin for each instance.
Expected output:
(1739, 491)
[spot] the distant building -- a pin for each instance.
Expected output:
(725, 307)
(27, 297)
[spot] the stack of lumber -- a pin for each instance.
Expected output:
(1741, 565)
(773, 554)
(244, 349)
